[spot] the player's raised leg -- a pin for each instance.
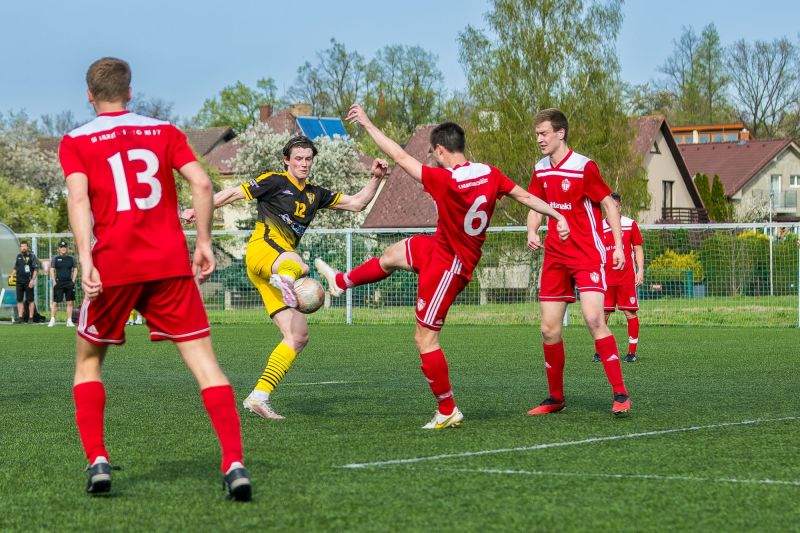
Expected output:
(287, 269)
(294, 328)
(371, 271)
(217, 394)
(89, 395)
(606, 346)
(554, 358)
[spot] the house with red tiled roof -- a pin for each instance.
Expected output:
(755, 174)
(402, 203)
(673, 195)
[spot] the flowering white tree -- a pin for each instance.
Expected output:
(24, 163)
(336, 167)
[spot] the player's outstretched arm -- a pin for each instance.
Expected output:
(613, 219)
(538, 207)
(80, 220)
(357, 115)
(360, 200)
(203, 262)
(223, 197)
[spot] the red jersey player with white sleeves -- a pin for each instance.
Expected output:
(121, 191)
(465, 194)
(575, 189)
(622, 284)
(571, 184)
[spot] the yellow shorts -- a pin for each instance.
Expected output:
(259, 258)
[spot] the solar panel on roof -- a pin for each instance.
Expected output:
(311, 127)
(333, 126)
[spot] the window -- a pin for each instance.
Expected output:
(667, 201)
(654, 149)
(731, 137)
(717, 138)
(679, 139)
(794, 180)
(704, 138)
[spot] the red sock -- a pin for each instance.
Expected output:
(434, 366)
(609, 355)
(221, 407)
(633, 334)
(90, 401)
(367, 272)
(554, 368)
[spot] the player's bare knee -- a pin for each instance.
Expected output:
(551, 333)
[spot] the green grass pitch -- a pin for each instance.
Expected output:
(712, 442)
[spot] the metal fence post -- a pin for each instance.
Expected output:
(349, 294)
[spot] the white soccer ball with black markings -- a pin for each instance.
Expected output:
(310, 295)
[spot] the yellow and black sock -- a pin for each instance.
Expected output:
(278, 364)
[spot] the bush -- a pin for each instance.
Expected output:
(670, 266)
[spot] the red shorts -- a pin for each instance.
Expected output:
(441, 279)
(559, 281)
(173, 308)
(622, 295)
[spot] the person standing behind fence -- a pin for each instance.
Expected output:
(572, 184)
(465, 194)
(63, 272)
(287, 203)
(121, 191)
(622, 284)
(26, 270)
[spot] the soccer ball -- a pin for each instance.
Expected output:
(310, 295)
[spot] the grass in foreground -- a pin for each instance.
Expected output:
(356, 396)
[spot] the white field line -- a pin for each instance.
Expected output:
(621, 476)
(547, 445)
(322, 383)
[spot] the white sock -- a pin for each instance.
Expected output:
(234, 466)
(259, 395)
(100, 459)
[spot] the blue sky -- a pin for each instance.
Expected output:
(186, 52)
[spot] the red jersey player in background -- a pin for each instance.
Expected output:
(465, 194)
(622, 284)
(571, 183)
(121, 191)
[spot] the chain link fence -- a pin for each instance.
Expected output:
(698, 275)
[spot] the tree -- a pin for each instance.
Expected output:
(697, 77)
(24, 163)
(766, 85)
(333, 84)
(550, 53)
(648, 99)
(23, 209)
(713, 196)
(336, 167)
(59, 124)
(153, 107)
(406, 87)
(237, 105)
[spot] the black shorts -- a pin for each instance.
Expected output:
(64, 289)
(24, 292)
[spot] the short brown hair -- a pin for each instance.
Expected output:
(449, 136)
(109, 79)
(555, 117)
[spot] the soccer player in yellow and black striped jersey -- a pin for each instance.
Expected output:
(287, 203)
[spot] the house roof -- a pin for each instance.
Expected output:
(204, 140)
(402, 203)
(734, 163)
(283, 121)
(647, 129)
(220, 156)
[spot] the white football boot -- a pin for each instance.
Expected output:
(440, 421)
(262, 408)
(329, 273)
(286, 285)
